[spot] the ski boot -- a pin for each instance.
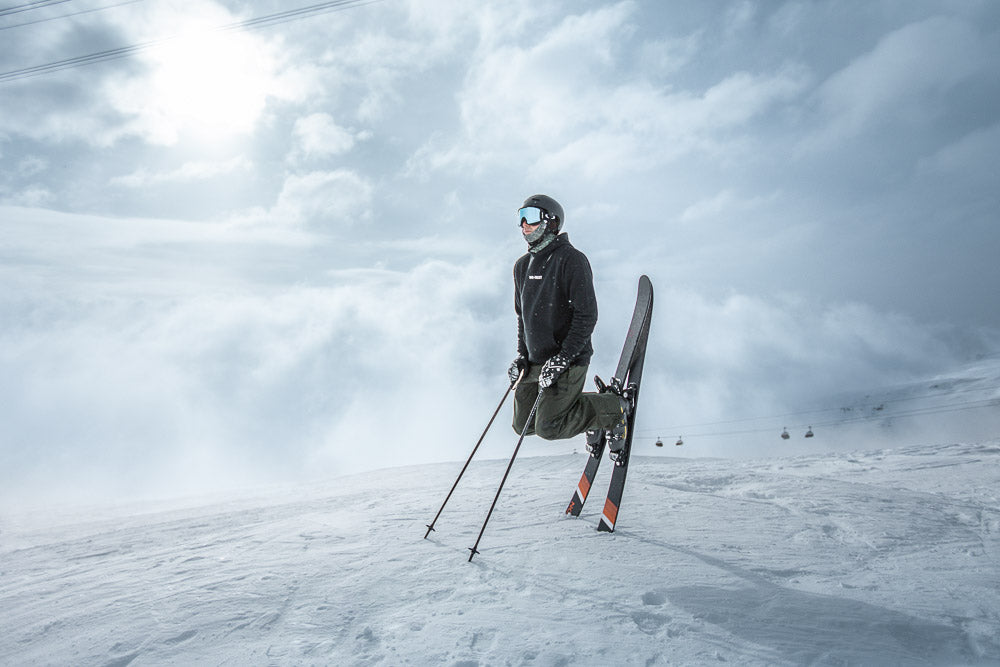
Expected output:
(617, 434)
(595, 442)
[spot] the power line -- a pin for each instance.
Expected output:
(293, 14)
(27, 7)
(66, 16)
(126, 51)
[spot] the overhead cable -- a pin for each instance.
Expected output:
(66, 16)
(27, 7)
(876, 414)
(126, 51)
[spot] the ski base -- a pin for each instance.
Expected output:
(628, 375)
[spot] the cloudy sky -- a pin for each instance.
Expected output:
(239, 251)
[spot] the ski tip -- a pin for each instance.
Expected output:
(646, 283)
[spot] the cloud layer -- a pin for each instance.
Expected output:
(241, 257)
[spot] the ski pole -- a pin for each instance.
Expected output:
(531, 415)
(430, 526)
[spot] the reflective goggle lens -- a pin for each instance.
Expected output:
(530, 215)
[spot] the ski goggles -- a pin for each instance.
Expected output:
(531, 215)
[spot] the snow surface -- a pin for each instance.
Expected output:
(879, 557)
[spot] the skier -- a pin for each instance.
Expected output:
(556, 313)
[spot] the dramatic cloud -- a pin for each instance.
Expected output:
(903, 79)
(560, 101)
(241, 256)
(188, 379)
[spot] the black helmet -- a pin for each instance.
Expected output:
(550, 206)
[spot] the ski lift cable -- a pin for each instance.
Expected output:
(750, 419)
(819, 411)
(930, 410)
(69, 15)
(917, 412)
(853, 420)
(125, 51)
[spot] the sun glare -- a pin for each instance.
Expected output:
(213, 85)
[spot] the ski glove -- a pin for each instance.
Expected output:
(552, 369)
(518, 366)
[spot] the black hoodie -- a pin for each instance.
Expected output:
(555, 303)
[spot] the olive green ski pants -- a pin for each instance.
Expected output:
(564, 409)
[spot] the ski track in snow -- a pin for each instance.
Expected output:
(883, 557)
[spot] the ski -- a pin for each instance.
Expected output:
(595, 446)
(628, 371)
(612, 505)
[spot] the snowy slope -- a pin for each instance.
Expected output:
(881, 557)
